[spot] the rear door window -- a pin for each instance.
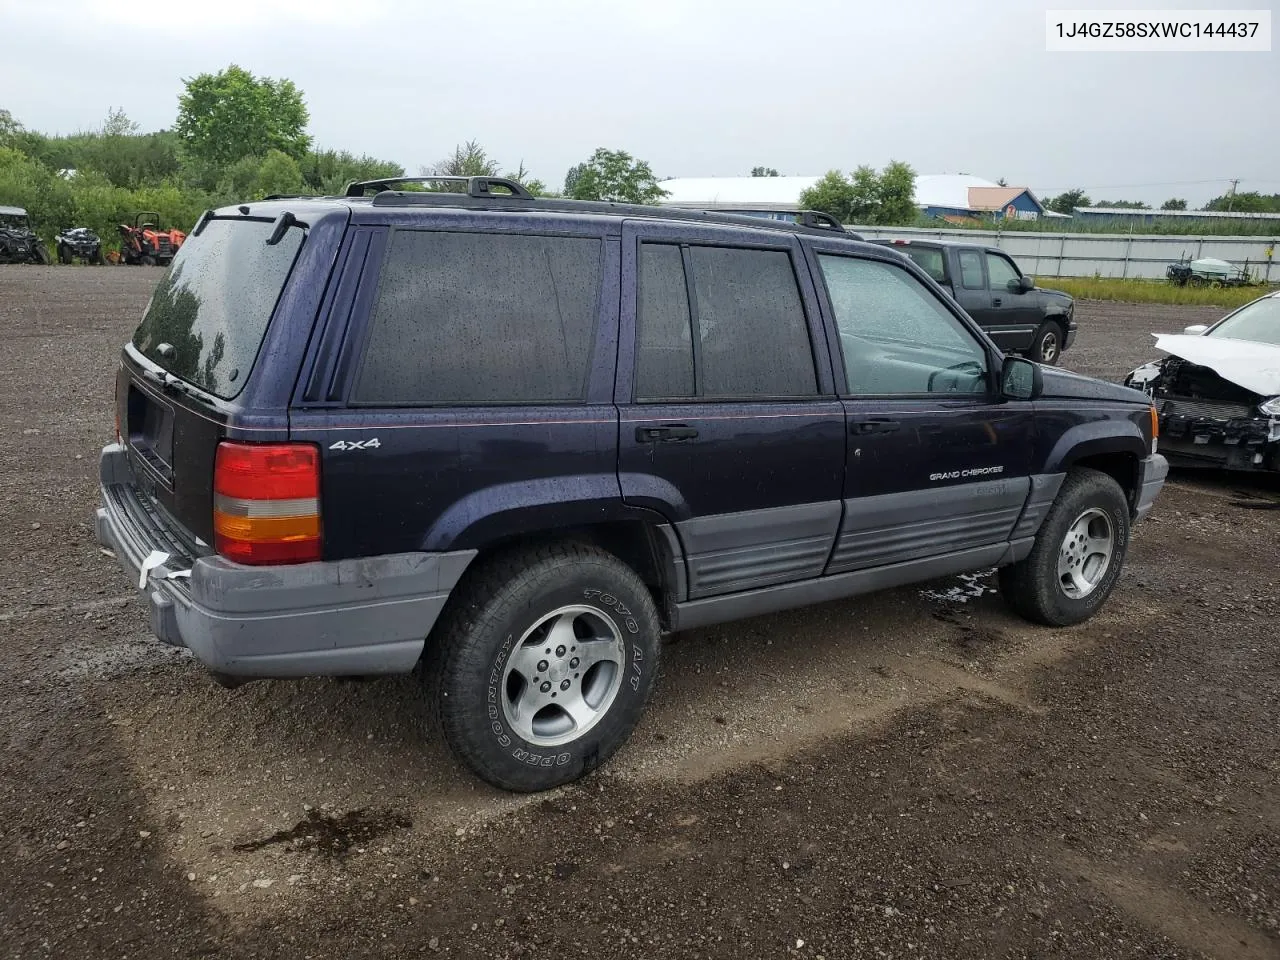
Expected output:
(744, 336)
(928, 259)
(209, 313)
(971, 270)
(753, 337)
(477, 318)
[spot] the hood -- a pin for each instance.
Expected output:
(1246, 363)
(1054, 293)
(1064, 383)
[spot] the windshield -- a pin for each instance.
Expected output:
(213, 305)
(1258, 321)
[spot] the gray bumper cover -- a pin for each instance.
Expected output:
(1154, 470)
(339, 618)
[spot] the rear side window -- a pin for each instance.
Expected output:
(213, 305)
(971, 270)
(928, 259)
(464, 318)
(745, 334)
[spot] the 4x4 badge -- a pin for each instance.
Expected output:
(371, 444)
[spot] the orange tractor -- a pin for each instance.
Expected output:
(147, 243)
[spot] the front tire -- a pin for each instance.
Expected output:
(542, 664)
(147, 261)
(1078, 553)
(64, 255)
(1047, 347)
(42, 255)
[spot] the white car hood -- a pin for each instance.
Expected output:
(1246, 363)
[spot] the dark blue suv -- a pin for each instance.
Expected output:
(520, 439)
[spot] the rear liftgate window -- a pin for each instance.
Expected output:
(482, 318)
(213, 305)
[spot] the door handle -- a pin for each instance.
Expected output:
(666, 433)
(996, 301)
(863, 427)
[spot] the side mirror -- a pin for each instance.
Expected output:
(1020, 379)
(1195, 330)
(1023, 284)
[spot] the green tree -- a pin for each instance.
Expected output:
(833, 194)
(572, 177)
(523, 176)
(764, 172)
(866, 197)
(252, 178)
(232, 114)
(1123, 204)
(1173, 203)
(118, 124)
(329, 171)
(1249, 202)
(897, 194)
(467, 160)
(279, 174)
(1067, 201)
(9, 129)
(616, 175)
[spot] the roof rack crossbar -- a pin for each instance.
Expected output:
(478, 187)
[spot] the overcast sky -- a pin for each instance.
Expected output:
(704, 88)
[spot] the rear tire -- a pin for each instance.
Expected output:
(515, 702)
(1048, 586)
(97, 259)
(64, 255)
(147, 261)
(1047, 347)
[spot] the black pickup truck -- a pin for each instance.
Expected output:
(1019, 316)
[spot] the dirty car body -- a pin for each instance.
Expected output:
(348, 427)
(1218, 391)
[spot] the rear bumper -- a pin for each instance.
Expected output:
(1154, 470)
(337, 618)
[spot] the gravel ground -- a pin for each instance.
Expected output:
(913, 774)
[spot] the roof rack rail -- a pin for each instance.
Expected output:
(478, 187)
(497, 202)
(813, 219)
(820, 221)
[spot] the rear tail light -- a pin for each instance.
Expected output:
(266, 502)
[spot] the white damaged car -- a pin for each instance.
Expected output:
(1218, 391)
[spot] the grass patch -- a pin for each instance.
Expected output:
(1153, 291)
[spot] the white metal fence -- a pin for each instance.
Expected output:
(1132, 256)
